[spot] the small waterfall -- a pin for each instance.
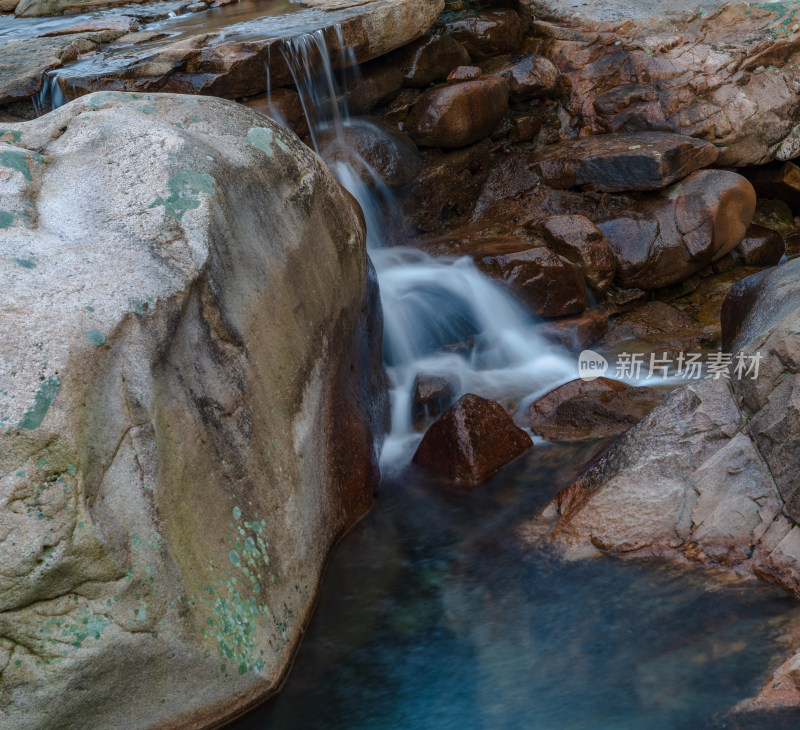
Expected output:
(50, 96)
(442, 316)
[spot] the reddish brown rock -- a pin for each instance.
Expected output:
(760, 247)
(579, 240)
(670, 235)
(378, 84)
(489, 33)
(465, 73)
(575, 333)
(550, 284)
(582, 410)
(459, 114)
(429, 59)
(284, 106)
(529, 77)
(433, 394)
(622, 162)
(471, 441)
(777, 182)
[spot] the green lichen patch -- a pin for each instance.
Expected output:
(264, 138)
(44, 398)
(96, 337)
(12, 136)
(184, 188)
(6, 219)
(16, 160)
(24, 263)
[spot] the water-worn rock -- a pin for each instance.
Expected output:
(529, 77)
(777, 182)
(575, 333)
(760, 247)
(429, 59)
(488, 33)
(377, 84)
(458, 115)
(621, 162)
(465, 73)
(582, 410)
(433, 395)
(551, 285)
(658, 326)
(471, 441)
(284, 106)
(576, 238)
(380, 150)
(672, 234)
(728, 76)
(189, 409)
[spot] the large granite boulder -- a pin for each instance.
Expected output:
(191, 398)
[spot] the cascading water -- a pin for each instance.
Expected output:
(429, 304)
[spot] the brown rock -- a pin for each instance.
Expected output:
(575, 333)
(777, 182)
(579, 240)
(760, 247)
(488, 33)
(433, 394)
(621, 162)
(582, 410)
(529, 77)
(471, 441)
(429, 59)
(550, 284)
(465, 73)
(459, 114)
(120, 23)
(672, 234)
(381, 150)
(284, 106)
(378, 84)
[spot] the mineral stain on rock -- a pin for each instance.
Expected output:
(184, 187)
(45, 396)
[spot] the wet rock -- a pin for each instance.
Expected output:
(471, 441)
(622, 162)
(674, 233)
(549, 284)
(579, 240)
(458, 115)
(760, 247)
(575, 333)
(465, 73)
(777, 182)
(284, 106)
(429, 59)
(529, 77)
(382, 151)
(433, 395)
(657, 327)
(582, 410)
(488, 33)
(728, 77)
(162, 401)
(378, 84)
(775, 215)
(121, 23)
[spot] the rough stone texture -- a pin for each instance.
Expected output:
(726, 74)
(488, 33)
(621, 162)
(672, 234)
(582, 410)
(529, 77)
(377, 84)
(760, 247)
(433, 395)
(575, 333)
(284, 106)
(458, 115)
(429, 59)
(471, 441)
(382, 154)
(464, 73)
(777, 182)
(189, 410)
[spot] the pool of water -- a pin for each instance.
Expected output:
(434, 615)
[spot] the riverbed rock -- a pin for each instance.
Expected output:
(284, 106)
(471, 441)
(189, 409)
(529, 77)
(777, 182)
(579, 240)
(551, 285)
(575, 333)
(432, 396)
(377, 84)
(727, 76)
(465, 73)
(383, 155)
(622, 162)
(670, 235)
(488, 33)
(429, 59)
(458, 115)
(582, 410)
(760, 247)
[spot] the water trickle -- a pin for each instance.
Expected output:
(50, 96)
(431, 306)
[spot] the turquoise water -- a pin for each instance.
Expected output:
(435, 615)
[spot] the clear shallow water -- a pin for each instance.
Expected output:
(433, 615)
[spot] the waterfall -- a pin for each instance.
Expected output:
(442, 316)
(50, 96)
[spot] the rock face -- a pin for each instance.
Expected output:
(488, 33)
(529, 77)
(588, 409)
(471, 441)
(621, 162)
(429, 59)
(190, 411)
(672, 234)
(459, 114)
(727, 76)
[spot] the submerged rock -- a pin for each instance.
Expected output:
(471, 441)
(190, 410)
